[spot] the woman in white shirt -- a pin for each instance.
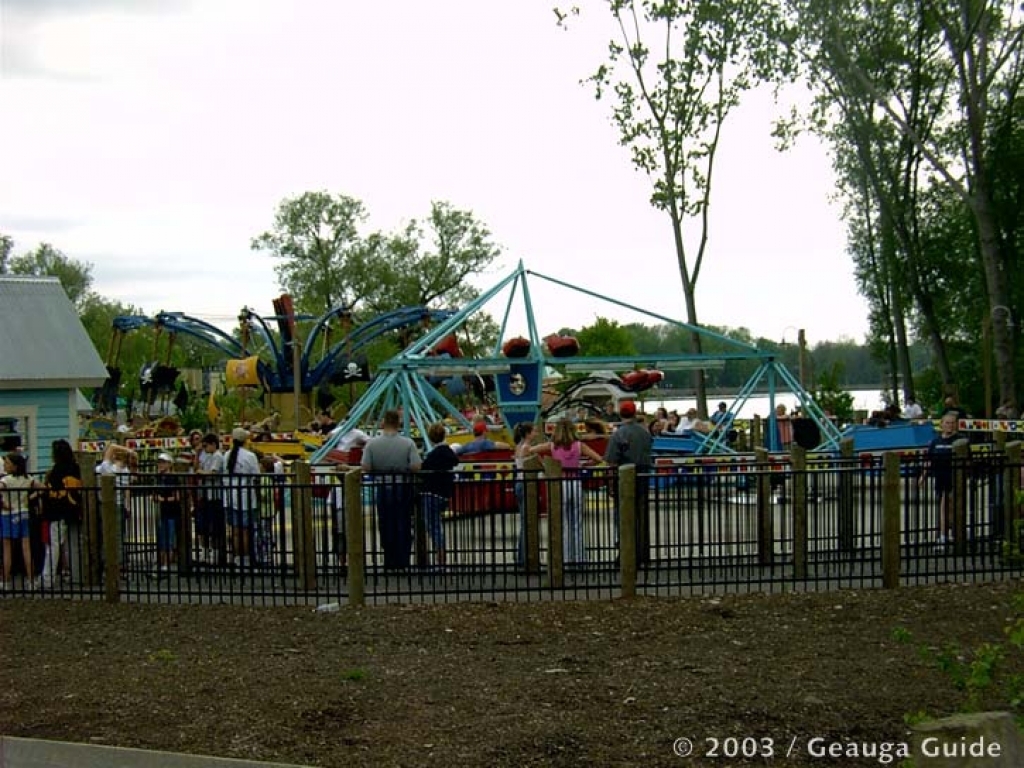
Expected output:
(14, 507)
(241, 480)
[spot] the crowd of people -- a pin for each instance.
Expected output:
(232, 516)
(401, 479)
(56, 501)
(232, 509)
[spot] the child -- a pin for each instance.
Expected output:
(568, 451)
(438, 485)
(940, 466)
(271, 500)
(168, 495)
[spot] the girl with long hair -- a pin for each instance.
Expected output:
(62, 507)
(569, 451)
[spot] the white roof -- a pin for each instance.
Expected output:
(43, 344)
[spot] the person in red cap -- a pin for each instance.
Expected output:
(630, 443)
(480, 441)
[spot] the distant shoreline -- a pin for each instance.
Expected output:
(688, 393)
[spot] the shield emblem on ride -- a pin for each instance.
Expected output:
(516, 384)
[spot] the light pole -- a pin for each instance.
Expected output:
(801, 340)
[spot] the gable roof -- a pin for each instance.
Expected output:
(43, 344)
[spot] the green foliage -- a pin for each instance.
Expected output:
(920, 133)
(428, 264)
(75, 276)
(1011, 549)
(901, 635)
(831, 398)
(6, 249)
(980, 674)
(916, 718)
(973, 673)
(674, 71)
(606, 338)
(853, 362)
(316, 238)
(354, 675)
(193, 416)
(327, 262)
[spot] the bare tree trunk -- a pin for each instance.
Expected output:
(930, 322)
(901, 351)
(689, 293)
(974, 68)
(999, 298)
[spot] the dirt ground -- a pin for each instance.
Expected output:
(553, 684)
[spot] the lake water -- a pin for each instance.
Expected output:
(757, 405)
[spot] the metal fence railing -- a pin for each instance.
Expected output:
(687, 526)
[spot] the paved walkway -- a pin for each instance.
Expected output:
(38, 753)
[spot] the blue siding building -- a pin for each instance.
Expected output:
(45, 356)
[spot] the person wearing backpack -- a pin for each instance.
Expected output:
(62, 509)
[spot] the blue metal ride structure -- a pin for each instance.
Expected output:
(277, 373)
(404, 382)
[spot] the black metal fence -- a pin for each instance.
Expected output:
(689, 526)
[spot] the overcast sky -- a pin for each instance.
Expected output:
(155, 138)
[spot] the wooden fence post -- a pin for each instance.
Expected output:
(112, 545)
(355, 537)
(847, 496)
(765, 509)
(1011, 484)
(961, 471)
(756, 438)
(556, 559)
(891, 520)
(89, 553)
(627, 530)
(302, 525)
(798, 456)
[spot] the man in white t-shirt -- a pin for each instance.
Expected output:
(912, 410)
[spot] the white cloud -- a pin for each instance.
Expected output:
(170, 138)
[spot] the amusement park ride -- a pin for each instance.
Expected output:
(423, 378)
(406, 382)
(282, 367)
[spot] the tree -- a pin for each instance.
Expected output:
(424, 266)
(878, 166)
(976, 46)
(669, 105)
(6, 248)
(326, 262)
(75, 276)
(605, 338)
(316, 237)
